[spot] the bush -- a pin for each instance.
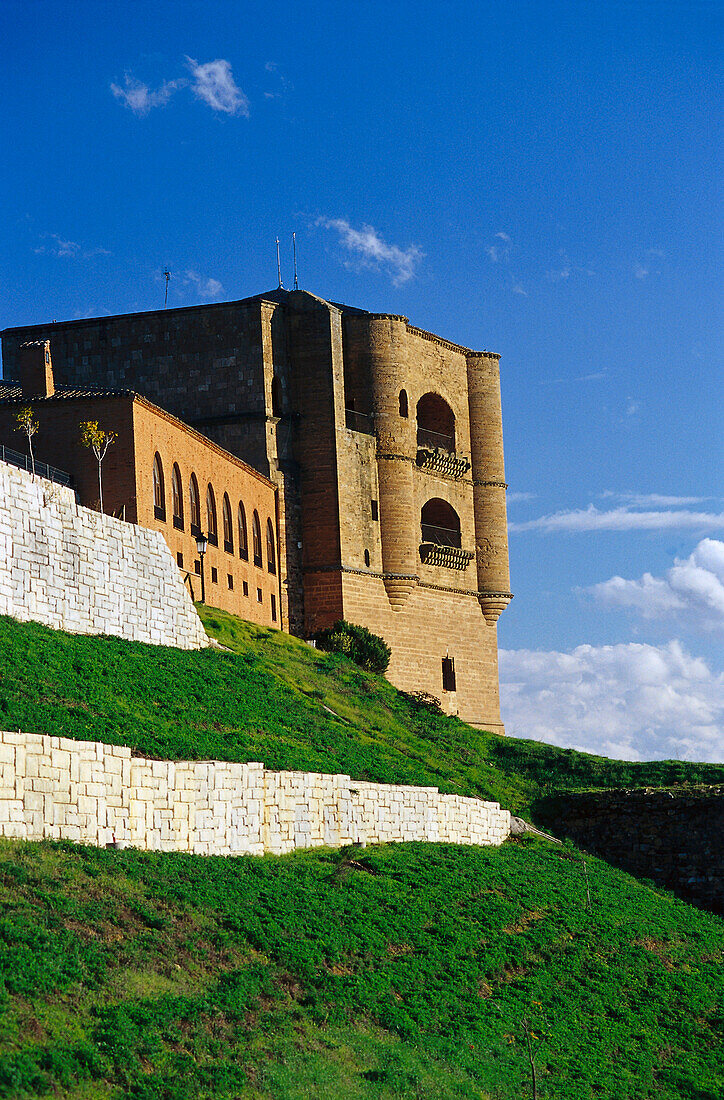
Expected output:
(366, 649)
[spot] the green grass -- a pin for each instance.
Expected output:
(400, 971)
(277, 700)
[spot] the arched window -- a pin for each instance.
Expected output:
(159, 493)
(440, 523)
(178, 498)
(228, 530)
(403, 404)
(256, 538)
(276, 393)
(435, 423)
(243, 540)
(367, 558)
(194, 506)
(271, 554)
(211, 528)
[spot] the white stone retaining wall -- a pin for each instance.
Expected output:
(73, 569)
(94, 793)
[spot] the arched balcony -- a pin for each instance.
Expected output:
(441, 538)
(436, 437)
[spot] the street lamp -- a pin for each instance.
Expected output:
(201, 543)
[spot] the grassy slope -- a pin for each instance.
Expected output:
(401, 971)
(277, 700)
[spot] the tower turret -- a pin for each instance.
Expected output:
(387, 350)
(488, 471)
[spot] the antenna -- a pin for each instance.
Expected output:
(167, 276)
(294, 246)
(279, 268)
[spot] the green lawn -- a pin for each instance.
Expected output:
(277, 700)
(401, 971)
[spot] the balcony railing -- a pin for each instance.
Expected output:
(359, 422)
(439, 440)
(440, 536)
(50, 473)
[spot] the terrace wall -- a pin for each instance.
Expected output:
(73, 569)
(91, 793)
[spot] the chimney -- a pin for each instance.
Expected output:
(35, 369)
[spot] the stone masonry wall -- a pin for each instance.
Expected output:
(91, 793)
(674, 836)
(71, 568)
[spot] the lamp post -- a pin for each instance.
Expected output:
(201, 543)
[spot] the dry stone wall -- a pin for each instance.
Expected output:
(91, 793)
(73, 569)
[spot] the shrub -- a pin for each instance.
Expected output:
(366, 649)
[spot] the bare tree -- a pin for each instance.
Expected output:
(26, 422)
(98, 441)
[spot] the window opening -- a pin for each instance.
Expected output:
(435, 423)
(180, 560)
(214, 575)
(404, 412)
(367, 558)
(440, 523)
(177, 498)
(243, 540)
(256, 538)
(270, 550)
(245, 587)
(230, 582)
(212, 532)
(159, 495)
(375, 509)
(194, 506)
(274, 608)
(226, 521)
(448, 674)
(259, 596)
(197, 567)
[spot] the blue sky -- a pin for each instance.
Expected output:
(540, 179)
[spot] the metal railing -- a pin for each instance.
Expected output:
(428, 438)
(359, 422)
(440, 536)
(16, 458)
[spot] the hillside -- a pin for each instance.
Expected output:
(277, 700)
(402, 971)
(399, 971)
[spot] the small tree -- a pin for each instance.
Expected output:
(26, 422)
(98, 441)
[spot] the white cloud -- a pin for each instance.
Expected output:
(653, 500)
(503, 236)
(691, 592)
(493, 252)
(595, 376)
(518, 289)
(139, 98)
(204, 287)
(215, 86)
(621, 519)
(58, 246)
(640, 271)
(627, 701)
(559, 276)
(517, 498)
(374, 251)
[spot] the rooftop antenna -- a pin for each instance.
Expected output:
(167, 276)
(294, 246)
(279, 267)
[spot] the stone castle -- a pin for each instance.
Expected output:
(367, 456)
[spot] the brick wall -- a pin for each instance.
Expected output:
(93, 794)
(73, 569)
